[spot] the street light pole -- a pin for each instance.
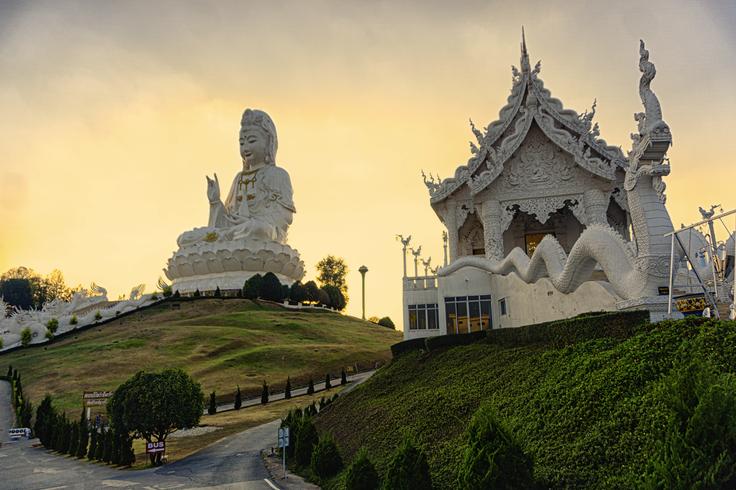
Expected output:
(363, 269)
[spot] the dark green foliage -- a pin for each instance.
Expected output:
(408, 469)
(107, 444)
(98, 316)
(298, 293)
(310, 387)
(10, 373)
(17, 292)
(26, 413)
(324, 298)
(332, 272)
(343, 377)
(287, 390)
(73, 320)
(212, 407)
(126, 455)
(66, 438)
(197, 294)
(44, 421)
(698, 449)
(218, 293)
(293, 421)
(271, 288)
(100, 451)
(387, 322)
(238, 399)
(252, 287)
(92, 444)
(74, 439)
(361, 474)
(492, 458)
(117, 443)
(312, 291)
(25, 337)
(177, 294)
(306, 439)
(52, 325)
(264, 393)
(326, 460)
(337, 298)
(328, 384)
(83, 436)
(60, 430)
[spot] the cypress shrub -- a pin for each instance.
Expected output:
(83, 436)
(44, 421)
(218, 293)
(100, 450)
(328, 385)
(116, 446)
(264, 393)
(238, 399)
(326, 460)
(197, 294)
(361, 474)
(310, 387)
(408, 469)
(73, 320)
(252, 287)
(306, 439)
(271, 288)
(343, 377)
(127, 455)
(107, 446)
(66, 438)
(287, 390)
(212, 408)
(492, 457)
(10, 372)
(74, 439)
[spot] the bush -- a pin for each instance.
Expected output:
(312, 291)
(45, 415)
(310, 387)
(361, 474)
(328, 384)
(92, 444)
(218, 293)
(252, 287)
(98, 316)
(492, 458)
(73, 320)
(306, 439)
(107, 444)
(387, 322)
(197, 294)
(212, 408)
(343, 377)
(238, 399)
(323, 298)
(154, 296)
(52, 325)
(25, 337)
(326, 460)
(408, 469)
(264, 393)
(49, 334)
(287, 390)
(337, 298)
(298, 293)
(271, 288)
(698, 449)
(74, 439)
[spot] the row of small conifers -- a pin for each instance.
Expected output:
(22, 407)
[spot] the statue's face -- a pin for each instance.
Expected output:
(253, 144)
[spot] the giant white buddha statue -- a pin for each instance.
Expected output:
(246, 234)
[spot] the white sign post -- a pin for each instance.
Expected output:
(283, 444)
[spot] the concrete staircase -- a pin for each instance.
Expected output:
(723, 310)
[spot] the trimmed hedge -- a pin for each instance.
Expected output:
(557, 333)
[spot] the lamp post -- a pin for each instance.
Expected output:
(363, 269)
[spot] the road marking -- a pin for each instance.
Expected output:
(271, 484)
(118, 483)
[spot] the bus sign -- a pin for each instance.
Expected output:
(155, 447)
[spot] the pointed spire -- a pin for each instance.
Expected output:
(525, 67)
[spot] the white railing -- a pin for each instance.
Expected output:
(420, 283)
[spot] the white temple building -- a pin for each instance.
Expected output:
(547, 220)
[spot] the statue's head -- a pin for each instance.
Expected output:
(258, 140)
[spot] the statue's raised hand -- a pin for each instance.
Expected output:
(213, 189)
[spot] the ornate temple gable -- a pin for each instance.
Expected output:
(529, 102)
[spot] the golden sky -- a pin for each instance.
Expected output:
(113, 112)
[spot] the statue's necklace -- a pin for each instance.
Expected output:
(248, 180)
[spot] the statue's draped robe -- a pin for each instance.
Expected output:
(259, 205)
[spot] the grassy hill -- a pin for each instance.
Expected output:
(221, 343)
(590, 415)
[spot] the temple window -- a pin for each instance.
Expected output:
(424, 317)
(465, 314)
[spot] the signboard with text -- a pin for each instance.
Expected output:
(96, 398)
(284, 437)
(155, 447)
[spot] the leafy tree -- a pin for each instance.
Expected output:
(153, 405)
(324, 298)
(298, 293)
(24, 288)
(343, 377)
(326, 460)
(252, 287)
(17, 292)
(331, 271)
(493, 459)
(306, 439)
(83, 435)
(328, 383)
(361, 474)
(287, 390)
(264, 393)
(271, 288)
(25, 336)
(312, 292)
(386, 322)
(212, 408)
(337, 298)
(238, 399)
(310, 387)
(408, 469)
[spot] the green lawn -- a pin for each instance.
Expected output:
(221, 343)
(590, 415)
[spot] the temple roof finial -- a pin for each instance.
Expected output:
(525, 67)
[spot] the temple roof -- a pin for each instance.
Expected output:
(529, 102)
